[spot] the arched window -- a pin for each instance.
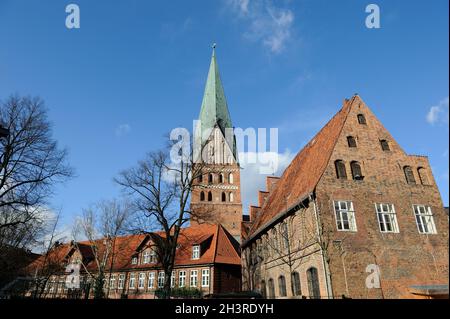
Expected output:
(230, 178)
(313, 283)
(209, 197)
(200, 178)
(224, 197)
(362, 119)
(202, 196)
(231, 195)
(423, 176)
(356, 171)
(263, 289)
(210, 178)
(340, 169)
(409, 175)
(351, 141)
(385, 145)
(285, 235)
(271, 289)
(221, 178)
(282, 286)
(296, 283)
(275, 240)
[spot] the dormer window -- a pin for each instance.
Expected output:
(196, 252)
(134, 261)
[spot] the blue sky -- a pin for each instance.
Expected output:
(137, 69)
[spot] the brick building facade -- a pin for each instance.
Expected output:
(352, 216)
(207, 260)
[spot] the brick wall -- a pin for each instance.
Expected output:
(404, 258)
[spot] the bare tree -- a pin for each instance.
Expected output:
(101, 224)
(160, 190)
(31, 163)
(51, 262)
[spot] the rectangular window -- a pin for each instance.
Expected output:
(134, 260)
(132, 281)
(194, 278)
(387, 218)
(345, 216)
(161, 279)
(182, 278)
(196, 252)
(172, 279)
(146, 257)
(152, 257)
(424, 219)
(121, 281)
(205, 278)
(141, 283)
(151, 280)
(112, 282)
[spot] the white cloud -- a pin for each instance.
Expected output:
(267, 23)
(438, 114)
(122, 130)
(252, 180)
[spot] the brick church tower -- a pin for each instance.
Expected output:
(216, 197)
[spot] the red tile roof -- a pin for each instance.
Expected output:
(302, 175)
(217, 246)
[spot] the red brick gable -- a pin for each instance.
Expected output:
(305, 171)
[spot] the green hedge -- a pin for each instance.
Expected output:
(182, 293)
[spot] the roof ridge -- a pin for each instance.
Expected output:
(215, 243)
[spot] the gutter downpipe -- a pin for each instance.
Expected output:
(324, 263)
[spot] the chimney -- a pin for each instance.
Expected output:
(262, 196)
(271, 182)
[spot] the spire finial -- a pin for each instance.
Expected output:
(214, 45)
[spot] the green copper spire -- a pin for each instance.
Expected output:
(214, 109)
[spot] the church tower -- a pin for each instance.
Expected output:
(216, 197)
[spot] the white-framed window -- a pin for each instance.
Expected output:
(172, 279)
(146, 258)
(181, 278)
(134, 260)
(205, 277)
(424, 219)
(151, 280)
(141, 282)
(194, 278)
(112, 282)
(132, 281)
(161, 279)
(153, 257)
(387, 218)
(345, 216)
(121, 282)
(196, 252)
